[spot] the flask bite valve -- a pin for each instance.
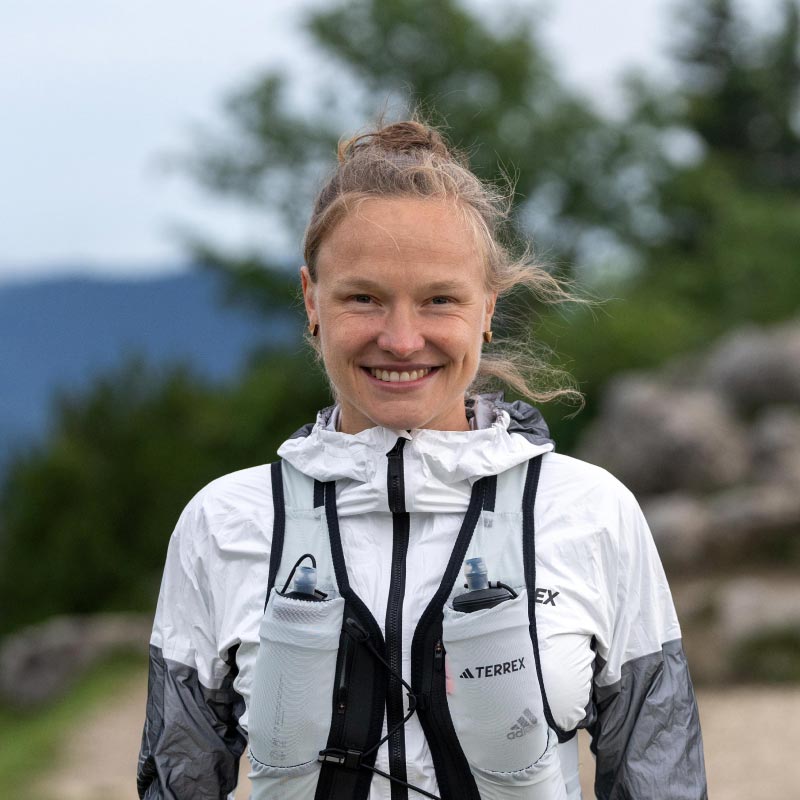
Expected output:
(305, 580)
(476, 574)
(480, 593)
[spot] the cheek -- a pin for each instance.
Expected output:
(343, 340)
(465, 349)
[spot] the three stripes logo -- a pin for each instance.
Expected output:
(524, 724)
(467, 673)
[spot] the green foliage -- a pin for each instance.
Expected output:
(741, 89)
(86, 518)
(770, 657)
(741, 260)
(720, 228)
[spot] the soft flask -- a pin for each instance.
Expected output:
(290, 711)
(494, 697)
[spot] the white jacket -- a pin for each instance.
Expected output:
(609, 637)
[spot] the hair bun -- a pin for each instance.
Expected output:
(399, 137)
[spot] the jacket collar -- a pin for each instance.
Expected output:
(440, 466)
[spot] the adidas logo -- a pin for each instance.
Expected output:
(524, 724)
(467, 673)
(490, 670)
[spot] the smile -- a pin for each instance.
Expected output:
(393, 376)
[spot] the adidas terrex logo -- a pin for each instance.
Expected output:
(523, 725)
(490, 670)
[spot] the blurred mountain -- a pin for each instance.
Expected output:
(56, 334)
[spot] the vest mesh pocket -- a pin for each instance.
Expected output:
(496, 704)
(291, 702)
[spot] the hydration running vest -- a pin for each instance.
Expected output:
(322, 677)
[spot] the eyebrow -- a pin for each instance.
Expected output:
(365, 284)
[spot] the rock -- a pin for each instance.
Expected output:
(40, 662)
(757, 523)
(752, 606)
(711, 445)
(754, 367)
(775, 437)
(739, 627)
(681, 525)
(755, 517)
(657, 438)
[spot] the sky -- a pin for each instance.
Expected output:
(96, 93)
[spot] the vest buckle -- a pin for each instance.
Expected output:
(345, 758)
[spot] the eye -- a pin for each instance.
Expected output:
(440, 300)
(361, 298)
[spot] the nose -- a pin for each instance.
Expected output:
(401, 334)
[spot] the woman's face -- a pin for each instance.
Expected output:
(401, 303)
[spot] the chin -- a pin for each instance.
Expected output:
(400, 422)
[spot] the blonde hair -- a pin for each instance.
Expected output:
(412, 159)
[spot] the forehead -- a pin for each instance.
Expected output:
(407, 236)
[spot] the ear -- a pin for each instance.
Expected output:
(491, 302)
(309, 296)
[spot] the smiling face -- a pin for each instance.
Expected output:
(401, 302)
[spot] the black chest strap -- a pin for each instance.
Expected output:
(359, 687)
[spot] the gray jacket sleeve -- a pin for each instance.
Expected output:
(192, 741)
(643, 717)
(646, 732)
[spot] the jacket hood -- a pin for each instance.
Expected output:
(439, 466)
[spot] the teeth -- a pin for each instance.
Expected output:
(399, 377)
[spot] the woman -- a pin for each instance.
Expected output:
(377, 681)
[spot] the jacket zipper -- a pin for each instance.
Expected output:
(395, 706)
(438, 656)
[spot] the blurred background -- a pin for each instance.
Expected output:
(158, 165)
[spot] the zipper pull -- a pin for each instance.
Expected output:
(344, 676)
(438, 656)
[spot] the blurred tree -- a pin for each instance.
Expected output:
(741, 90)
(734, 217)
(720, 243)
(86, 517)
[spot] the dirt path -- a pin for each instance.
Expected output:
(751, 739)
